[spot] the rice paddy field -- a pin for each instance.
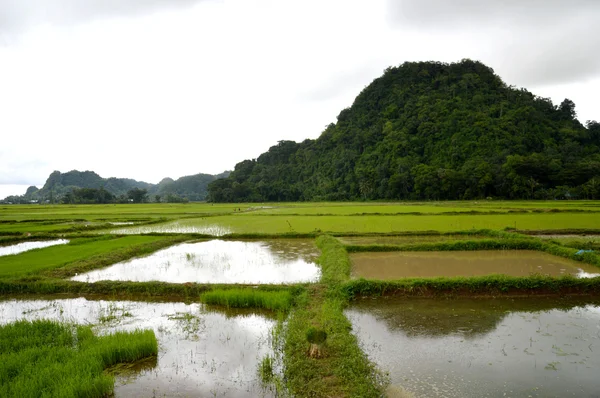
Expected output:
(450, 299)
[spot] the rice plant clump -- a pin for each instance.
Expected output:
(249, 298)
(48, 358)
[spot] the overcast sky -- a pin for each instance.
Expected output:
(148, 89)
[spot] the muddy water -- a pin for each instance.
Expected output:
(217, 261)
(201, 353)
(483, 348)
(26, 246)
(396, 265)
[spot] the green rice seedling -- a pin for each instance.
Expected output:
(190, 256)
(46, 358)
(265, 369)
(249, 298)
(316, 338)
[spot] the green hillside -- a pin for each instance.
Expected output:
(430, 130)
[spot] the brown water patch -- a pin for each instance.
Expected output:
(406, 240)
(483, 347)
(397, 265)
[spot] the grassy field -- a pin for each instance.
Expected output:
(110, 212)
(49, 258)
(103, 235)
(250, 223)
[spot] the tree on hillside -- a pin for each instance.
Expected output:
(430, 130)
(137, 195)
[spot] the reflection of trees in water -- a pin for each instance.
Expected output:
(293, 249)
(467, 317)
(129, 371)
(232, 313)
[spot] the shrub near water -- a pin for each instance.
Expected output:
(46, 358)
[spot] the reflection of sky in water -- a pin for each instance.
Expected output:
(583, 274)
(201, 353)
(549, 353)
(175, 228)
(215, 261)
(25, 246)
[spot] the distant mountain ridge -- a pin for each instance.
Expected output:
(58, 185)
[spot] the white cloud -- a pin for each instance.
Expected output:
(176, 88)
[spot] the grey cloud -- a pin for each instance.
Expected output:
(19, 15)
(544, 41)
(478, 12)
(553, 58)
(341, 83)
(22, 172)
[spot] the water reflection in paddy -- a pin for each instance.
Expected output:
(396, 265)
(217, 261)
(26, 246)
(201, 353)
(485, 347)
(176, 227)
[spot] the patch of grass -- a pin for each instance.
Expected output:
(334, 261)
(249, 298)
(491, 285)
(341, 369)
(483, 244)
(37, 260)
(46, 358)
(334, 225)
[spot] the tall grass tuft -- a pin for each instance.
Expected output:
(249, 298)
(47, 358)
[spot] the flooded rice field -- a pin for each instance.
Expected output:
(26, 246)
(176, 227)
(201, 353)
(406, 240)
(396, 265)
(483, 348)
(218, 261)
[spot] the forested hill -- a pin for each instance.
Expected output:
(88, 187)
(430, 130)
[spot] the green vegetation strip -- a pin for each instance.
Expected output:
(35, 285)
(49, 359)
(483, 244)
(491, 285)
(339, 368)
(249, 298)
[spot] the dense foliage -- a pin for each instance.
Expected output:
(429, 130)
